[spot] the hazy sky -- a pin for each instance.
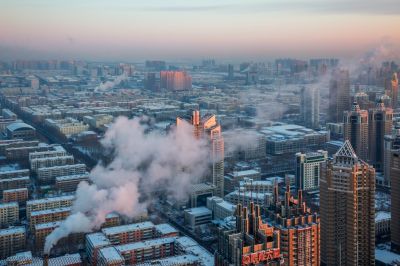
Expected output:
(195, 29)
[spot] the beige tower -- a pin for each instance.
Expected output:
(392, 89)
(347, 210)
(395, 196)
(209, 128)
(355, 129)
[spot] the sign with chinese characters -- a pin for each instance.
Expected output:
(261, 256)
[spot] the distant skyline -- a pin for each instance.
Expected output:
(229, 30)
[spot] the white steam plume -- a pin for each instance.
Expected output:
(143, 162)
(110, 84)
(240, 139)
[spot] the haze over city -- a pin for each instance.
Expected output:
(190, 30)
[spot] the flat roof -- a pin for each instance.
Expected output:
(110, 254)
(56, 210)
(52, 199)
(13, 230)
(48, 225)
(73, 177)
(98, 239)
(8, 205)
(199, 211)
(145, 244)
(127, 228)
(166, 229)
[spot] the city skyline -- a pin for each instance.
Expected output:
(182, 30)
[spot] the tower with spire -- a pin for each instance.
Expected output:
(347, 209)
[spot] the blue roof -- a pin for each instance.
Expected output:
(19, 126)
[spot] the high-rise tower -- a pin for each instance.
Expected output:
(308, 169)
(391, 142)
(209, 128)
(355, 129)
(380, 121)
(347, 209)
(339, 95)
(252, 242)
(395, 201)
(392, 89)
(310, 107)
(299, 229)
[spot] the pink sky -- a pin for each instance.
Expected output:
(195, 29)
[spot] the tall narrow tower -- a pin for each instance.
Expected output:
(347, 210)
(208, 127)
(310, 107)
(355, 129)
(339, 95)
(379, 124)
(395, 199)
(392, 90)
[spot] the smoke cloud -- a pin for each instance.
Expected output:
(110, 84)
(144, 161)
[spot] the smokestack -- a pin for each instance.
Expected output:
(46, 260)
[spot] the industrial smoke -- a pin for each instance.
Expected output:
(144, 161)
(110, 84)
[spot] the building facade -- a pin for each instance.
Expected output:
(299, 229)
(252, 242)
(339, 95)
(395, 201)
(380, 122)
(347, 209)
(355, 128)
(175, 80)
(308, 169)
(309, 107)
(207, 127)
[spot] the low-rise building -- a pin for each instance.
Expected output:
(20, 130)
(9, 214)
(69, 183)
(220, 208)
(109, 256)
(67, 126)
(14, 183)
(50, 162)
(19, 195)
(47, 216)
(14, 173)
(197, 216)
(94, 242)
(12, 240)
(129, 233)
(48, 203)
(47, 175)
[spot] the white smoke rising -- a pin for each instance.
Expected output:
(374, 57)
(110, 84)
(266, 103)
(240, 139)
(143, 162)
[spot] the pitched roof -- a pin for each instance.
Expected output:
(346, 150)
